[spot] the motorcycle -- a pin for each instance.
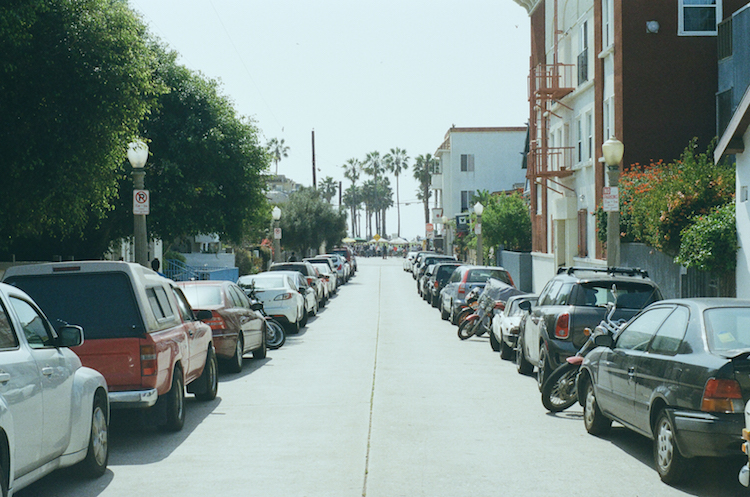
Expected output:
(494, 296)
(275, 334)
(470, 305)
(560, 390)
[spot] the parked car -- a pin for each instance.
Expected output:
(280, 295)
(506, 325)
(417, 260)
(307, 291)
(678, 374)
(342, 268)
(441, 273)
(348, 255)
(573, 300)
(326, 269)
(140, 332)
(43, 384)
(429, 259)
(462, 281)
(311, 275)
(409, 260)
(236, 328)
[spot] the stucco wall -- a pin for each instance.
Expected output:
(743, 222)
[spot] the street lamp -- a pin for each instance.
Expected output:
(276, 215)
(137, 156)
(446, 236)
(613, 150)
(478, 210)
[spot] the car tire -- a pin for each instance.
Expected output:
(466, 329)
(234, 365)
(303, 321)
(435, 301)
(523, 366)
(671, 465)
(494, 344)
(594, 421)
(543, 368)
(175, 400)
(97, 456)
(506, 351)
(209, 377)
(261, 352)
(443, 314)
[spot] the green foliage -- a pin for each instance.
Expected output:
(77, 79)
(307, 221)
(506, 221)
(171, 254)
(328, 188)
(710, 243)
(423, 168)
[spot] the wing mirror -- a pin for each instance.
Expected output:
(525, 305)
(604, 341)
(70, 336)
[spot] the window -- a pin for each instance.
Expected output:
(638, 334)
(436, 167)
(8, 339)
(157, 298)
(607, 22)
(549, 293)
(698, 17)
(583, 233)
(33, 324)
(589, 136)
(583, 54)
(579, 139)
(182, 304)
(727, 328)
(607, 119)
(467, 162)
(669, 337)
(466, 196)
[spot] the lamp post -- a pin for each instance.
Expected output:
(613, 150)
(446, 236)
(276, 215)
(137, 156)
(478, 210)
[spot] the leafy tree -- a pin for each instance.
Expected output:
(375, 167)
(328, 188)
(506, 221)
(308, 221)
(77, 79)
(396, 162)
(423, 168)
(278, 150)
(710, 243)
(352, 170)
(206, 162)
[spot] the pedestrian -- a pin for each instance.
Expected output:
(293, 258)
(155, 265)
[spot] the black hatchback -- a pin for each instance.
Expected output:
(677, 373)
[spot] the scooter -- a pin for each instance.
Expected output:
(560, 390)
(275, 335)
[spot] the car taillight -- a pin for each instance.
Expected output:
(309, 280)
(436, 284)
(722, 396)
(216, 322)
(148, 360)
(562, 326)
(462, 289)
(283, 296)
(499, 304)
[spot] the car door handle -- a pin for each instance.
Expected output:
(4, 377)
(48, 371)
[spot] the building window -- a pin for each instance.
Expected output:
(436, 167)
(467, 162)
(466, 196)
(583, 250)
(698, 17)
(608, 20)
(589, 136)
(607, 119)
(579, 139)
(583, 54)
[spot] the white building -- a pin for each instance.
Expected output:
(474, 159)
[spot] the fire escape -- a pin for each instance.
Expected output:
(548, 84)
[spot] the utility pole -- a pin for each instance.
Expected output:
(315, 184)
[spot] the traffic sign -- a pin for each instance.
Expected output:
(277, 233)
(141, 202)
(610, 199)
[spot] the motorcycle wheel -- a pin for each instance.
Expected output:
(465, 329)
(559, 390)
(275, 336)
(463, 315)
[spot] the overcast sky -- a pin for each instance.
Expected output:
(365, 76)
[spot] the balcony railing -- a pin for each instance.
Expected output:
(552, 80)
(554, 161)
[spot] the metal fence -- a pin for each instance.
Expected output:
(179, 271)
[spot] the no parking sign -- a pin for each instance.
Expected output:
(141, 202)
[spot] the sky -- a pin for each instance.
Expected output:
(365, 76)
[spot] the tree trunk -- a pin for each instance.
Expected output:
(398, 209)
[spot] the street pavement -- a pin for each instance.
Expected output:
(378, 397)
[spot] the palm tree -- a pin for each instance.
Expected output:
(278, 150)
(423, 168)
(352, 170)
(352, 199)
(328, 188)
(397, 161)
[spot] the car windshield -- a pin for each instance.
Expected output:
(323, 267)
(300, 268)
(629, 295)
(201, 296)
(727, 328)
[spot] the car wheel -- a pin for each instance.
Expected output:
(175, 399)
(3, 483)
(542, 370)
(494, 343)
(670, 464)
(209, 377)
(235, 363)
(435, 301)
(523, 366)
(97, 456)
(506, 351)
(260, 352)
(594, 421)
(303, 321)
(443, 314)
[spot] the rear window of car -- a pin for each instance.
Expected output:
(102, 303)
(481, 275)
(629, 295)
(727, 328)
(265, 283)
(201, 296)
(300, 268)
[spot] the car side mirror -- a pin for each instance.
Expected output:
(203, 315)
(604, 341)
(70, 336)
(525, 305)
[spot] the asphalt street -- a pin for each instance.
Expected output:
(378, 397)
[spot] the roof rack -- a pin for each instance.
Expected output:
(626, 271)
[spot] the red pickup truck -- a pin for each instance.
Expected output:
(139, 332)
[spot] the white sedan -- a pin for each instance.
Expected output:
(280, 296)
(506, 325)
(43, 384)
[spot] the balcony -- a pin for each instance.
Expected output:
(551, 162)
(552, 80)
